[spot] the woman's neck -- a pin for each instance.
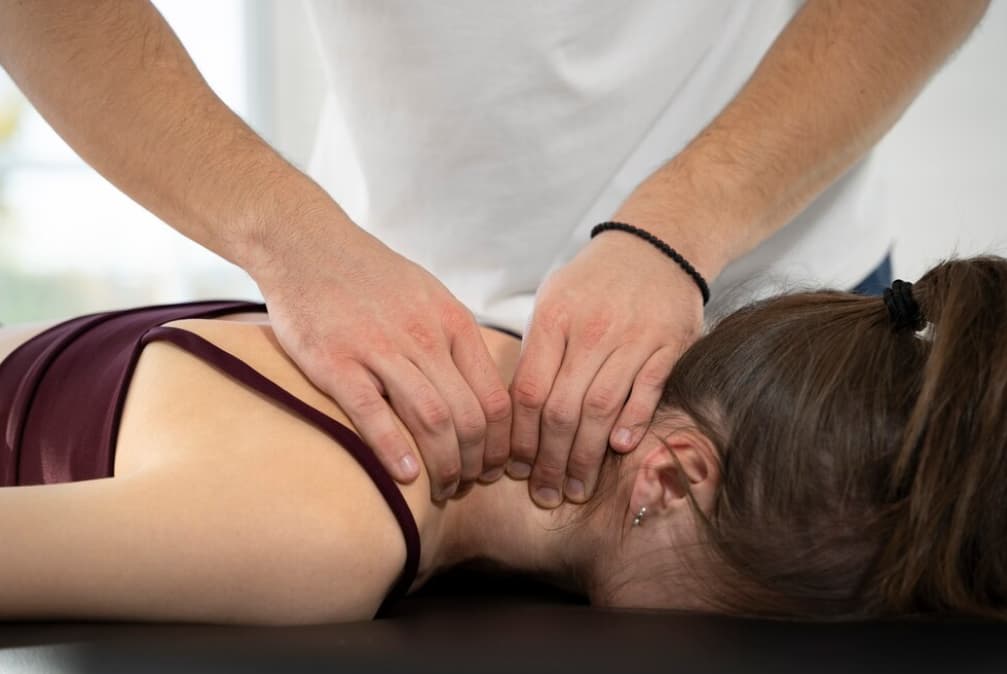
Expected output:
(499, 524)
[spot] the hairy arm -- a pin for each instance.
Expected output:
(833, 83)
(115, 82)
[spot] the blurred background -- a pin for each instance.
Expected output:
(71, 243)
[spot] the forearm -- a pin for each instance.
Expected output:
(113, 80)
(835, 80)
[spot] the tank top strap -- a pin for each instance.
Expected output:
(241, 371)
(77, 372)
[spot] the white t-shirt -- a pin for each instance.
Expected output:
(483, 139)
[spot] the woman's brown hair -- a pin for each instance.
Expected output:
(864, 464)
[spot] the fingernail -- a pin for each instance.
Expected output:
(623, 437)
(408, 466)
(574, 490)
(493, 474)
(519, 470)
(547, 496)
(447, 492)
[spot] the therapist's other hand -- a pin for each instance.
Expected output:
(606, 330)
(379, 333)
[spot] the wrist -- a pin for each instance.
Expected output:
(661, 246)
(699, 204)
(284, 227)
(639, 259)
(694, 238)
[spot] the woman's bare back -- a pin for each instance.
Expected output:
(232, 508)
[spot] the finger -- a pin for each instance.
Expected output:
(639, 410)
(466, 414)
(427, 416)
(478, 369)
(352, 387)
(542, 353)
(560, 419)
(605, 398)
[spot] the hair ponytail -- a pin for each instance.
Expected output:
(947, 548)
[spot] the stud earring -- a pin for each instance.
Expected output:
(639, 516)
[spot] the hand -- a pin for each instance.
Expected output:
(377, 332)
(608, 325)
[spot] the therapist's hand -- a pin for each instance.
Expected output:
(603, 337)
(379, 333)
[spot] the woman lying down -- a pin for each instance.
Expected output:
(817, 455)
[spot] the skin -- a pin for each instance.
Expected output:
(114, 82)
(226, 508)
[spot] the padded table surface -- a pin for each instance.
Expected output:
(514, 627)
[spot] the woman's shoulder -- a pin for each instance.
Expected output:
(184, 415)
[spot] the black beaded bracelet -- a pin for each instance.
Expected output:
(704, 289)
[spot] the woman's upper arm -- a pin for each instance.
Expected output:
(178, 544)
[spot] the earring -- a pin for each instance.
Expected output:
(639, 516)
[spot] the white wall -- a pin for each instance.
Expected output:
(946, 159)
(292, 85)
(70, 242)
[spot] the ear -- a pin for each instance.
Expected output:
(685, 460)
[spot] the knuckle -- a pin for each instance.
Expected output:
(594, 330)
(434, 415)
(560, 416)
(496, 406)
(523, 449)
(601, 402)
(636, 413)
(365, 402)
(494, 457)
(471, 427)
(551, 315)
(471, 470)
(457, 320)
(652, 378)
(549, 469)
(581, 465)
(421, 335)
(450, 472)
(529, 394)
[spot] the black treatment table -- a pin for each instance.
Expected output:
(455, 625)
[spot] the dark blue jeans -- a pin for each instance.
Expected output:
(877, 280)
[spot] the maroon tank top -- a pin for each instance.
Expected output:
(62, 392)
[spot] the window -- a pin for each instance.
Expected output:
(70, 242)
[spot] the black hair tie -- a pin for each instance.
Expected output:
(697, 278)
(902, 307)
